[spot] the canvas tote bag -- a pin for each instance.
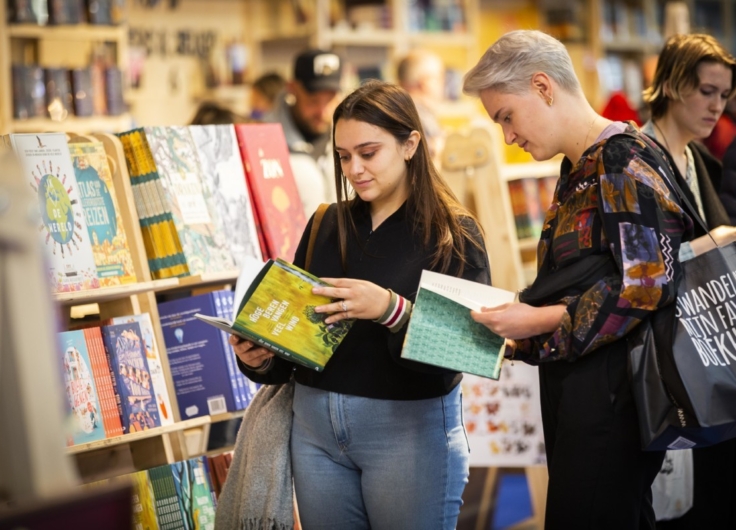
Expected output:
(683, 358)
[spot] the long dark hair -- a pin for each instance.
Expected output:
(434, 208)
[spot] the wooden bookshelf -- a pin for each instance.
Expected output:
(73, 32)
(72, 124)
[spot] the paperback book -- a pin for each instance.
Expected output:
(277, 312)
(442, 333)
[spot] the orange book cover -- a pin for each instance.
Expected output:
(271, 183)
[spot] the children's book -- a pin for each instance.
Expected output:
(169, 509)
(102, 213)
(205, 248)
(272, 187)
(127, 356)
(158, 379)
(144, 502)
(277, 312)
(86, 417)
(47, 165)
(106, 384)
(442, 333)
(193, 490)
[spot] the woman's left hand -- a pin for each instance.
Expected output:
(354, 299)
(519, 321)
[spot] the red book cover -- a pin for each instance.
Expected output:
(271, 183)
(103, 380)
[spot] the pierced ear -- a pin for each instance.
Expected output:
(411, 144)
(542, 85)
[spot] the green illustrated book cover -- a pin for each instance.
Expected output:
(442, 333)
(277, 312)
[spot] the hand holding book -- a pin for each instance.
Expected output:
(517, 321)
(353, 299)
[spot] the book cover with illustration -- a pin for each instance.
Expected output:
(272, 186)
(196, 356)
(195, 496)
(47, 166)
(158, 379)
(86, 417)
(223, 178)
(205, 248)
(277, 312)
(127, 357)
(442, 333)
(102, 213)
(163, 247)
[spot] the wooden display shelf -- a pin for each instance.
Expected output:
(210, 278)
(179, 426)
(304, 32)
(632, 46)
(72, 124)
(105, 294)
(548, 168)
(84, 32)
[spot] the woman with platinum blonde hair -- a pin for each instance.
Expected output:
(607, 260)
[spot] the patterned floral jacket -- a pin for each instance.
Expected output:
(613, 200)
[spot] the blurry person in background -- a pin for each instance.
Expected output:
(263, 94)
(693, 81)
(304, 109)
(422, 74)
(209, 113)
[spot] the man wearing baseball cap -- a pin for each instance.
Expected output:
(305, 111)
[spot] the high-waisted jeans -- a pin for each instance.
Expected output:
(362, 463)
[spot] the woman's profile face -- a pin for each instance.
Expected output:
(523, 119)
(699, 109)
(373, 161)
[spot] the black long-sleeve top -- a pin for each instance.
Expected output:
(368, 362)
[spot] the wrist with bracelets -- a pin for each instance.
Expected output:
(397, 313)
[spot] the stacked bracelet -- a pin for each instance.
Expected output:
(397, 313)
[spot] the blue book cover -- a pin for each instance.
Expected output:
(194, 494)
(228, 352)
(85, 416)
(196, 359)
(127, 356)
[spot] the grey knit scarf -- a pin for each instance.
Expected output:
(258, 492)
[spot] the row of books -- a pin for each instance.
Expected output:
(437, 15)
(58, 92)
(530, 200)
(178, 496)
(206, 197)
(63, 12)
(114, 379)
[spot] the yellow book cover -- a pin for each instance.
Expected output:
(277, 312)
(144, 507)
(102, 212)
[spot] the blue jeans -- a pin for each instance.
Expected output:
(362, 463)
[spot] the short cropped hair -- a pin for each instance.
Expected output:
(412, 67)
(677, 68)
(509, 64)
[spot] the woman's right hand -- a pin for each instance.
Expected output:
(251, 355)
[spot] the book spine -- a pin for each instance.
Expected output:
(101, 370)
(114, 380)
(218, 298)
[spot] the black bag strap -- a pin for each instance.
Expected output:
(318, 215)
(665, 166)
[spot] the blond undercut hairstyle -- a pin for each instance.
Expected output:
(677, 69)
(509, 64)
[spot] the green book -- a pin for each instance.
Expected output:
(442, 333)
(277, 312)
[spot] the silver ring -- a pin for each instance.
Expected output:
(344, 306)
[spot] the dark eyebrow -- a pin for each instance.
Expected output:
(364, 144)
(495, 116)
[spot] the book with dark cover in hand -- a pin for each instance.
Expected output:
(442, 333)
(277, 312)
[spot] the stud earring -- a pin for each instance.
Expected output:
(550, 100)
